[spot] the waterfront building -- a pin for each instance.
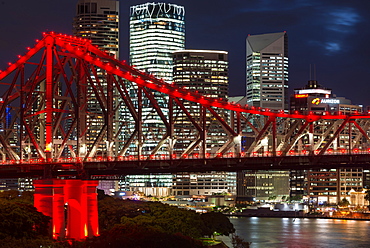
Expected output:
(263, 185)
(156, 31)
(20, 184)
(157, 185)
(267, 86)
(267, 70)
(316, 99)
(324, 185)
(213, 183)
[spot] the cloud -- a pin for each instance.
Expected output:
(343, 20)
(332, 47)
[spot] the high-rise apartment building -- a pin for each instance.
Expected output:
(156, 31)
(267, 70)
(98, 21)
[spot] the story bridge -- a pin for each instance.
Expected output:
(70, 110)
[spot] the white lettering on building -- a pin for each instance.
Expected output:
(328, 100)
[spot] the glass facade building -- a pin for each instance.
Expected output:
(98, 21)
(267, 70)
(156, 31)
(205, 71)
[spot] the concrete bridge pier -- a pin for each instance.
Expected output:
(72, 205)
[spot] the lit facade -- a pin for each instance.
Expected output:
(158, 185)
(316, 99)
(323, 185)
(204, 71)
(98, 21)
(267, 70)
(185, 184)
(156, 31)
(263, 185)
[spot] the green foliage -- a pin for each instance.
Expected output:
(111, 210)
(11, 242)
(169, 219)
(217, 222)
(140, 236)
(343, 203)
(21, 220)
(239, 242)
(367, 196)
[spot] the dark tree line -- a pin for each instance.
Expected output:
(123, 223)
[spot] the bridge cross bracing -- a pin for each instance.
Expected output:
(68, 105)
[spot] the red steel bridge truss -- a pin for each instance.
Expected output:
(72, 108)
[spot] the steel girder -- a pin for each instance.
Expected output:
(67, 99)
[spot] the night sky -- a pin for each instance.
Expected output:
(333, 35)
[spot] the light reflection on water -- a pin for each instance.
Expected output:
(303, 233)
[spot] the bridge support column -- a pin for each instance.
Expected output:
(72, 205)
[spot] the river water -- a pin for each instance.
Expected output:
(302, 233)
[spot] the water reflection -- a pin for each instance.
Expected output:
(303, 233)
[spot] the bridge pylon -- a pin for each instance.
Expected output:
(72, 205)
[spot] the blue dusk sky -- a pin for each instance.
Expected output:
(333, 35)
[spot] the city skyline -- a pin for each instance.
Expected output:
(319, 33)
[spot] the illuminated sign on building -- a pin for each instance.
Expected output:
(314, 91)
(301, 95)
(328, 100)
(317, 101)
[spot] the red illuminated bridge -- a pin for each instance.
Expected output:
(70, 109)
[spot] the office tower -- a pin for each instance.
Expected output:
(156, 31)
(263, 185)
(98, 21)
(204, 71)
(324, 185)
(267, 71)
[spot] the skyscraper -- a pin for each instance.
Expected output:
(98, 21)
(267, 70)
(205, 71)
(156, 30)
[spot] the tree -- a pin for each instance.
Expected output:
(216, 222)
(343, 203)
(19, 220)
(239, 242)
(367, 196)
(132, 235)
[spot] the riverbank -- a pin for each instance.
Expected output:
(297, 214)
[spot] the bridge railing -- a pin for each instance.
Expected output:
(195, 156)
